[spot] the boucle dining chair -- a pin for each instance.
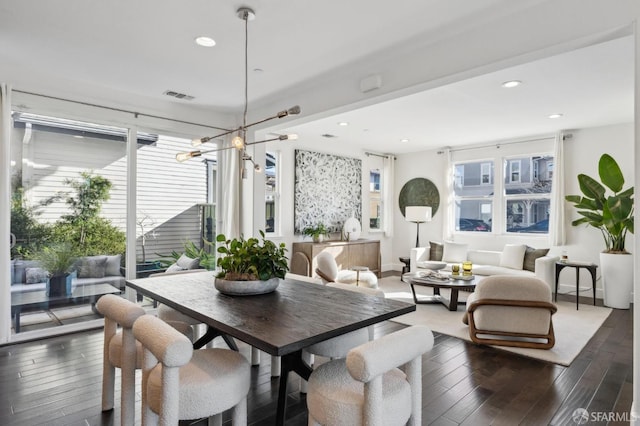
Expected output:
(511, 311)
(179, 383)
(378, 383)
(120, 351)
(327, 269)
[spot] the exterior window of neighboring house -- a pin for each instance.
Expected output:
(486, 177)
(375, 199)
(528, 200)
(473, 195)
(514, 170)
(272, 198)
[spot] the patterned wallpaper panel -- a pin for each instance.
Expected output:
(328, 190)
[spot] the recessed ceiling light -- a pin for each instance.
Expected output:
(557, 115)
(404, 140)
(258, 70)
(343, 123)
(205, 41)
(511, 83)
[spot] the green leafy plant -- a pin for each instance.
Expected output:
(612, 214)
(316, 231)
(247, 260)
(207, 260)
(57, 259)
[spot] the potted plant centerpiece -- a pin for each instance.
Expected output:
(58, 260)
(317, 233)
(612, 214)
(248, 267)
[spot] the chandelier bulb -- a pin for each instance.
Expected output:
(257, 168)
(181, 157)
(237, 142)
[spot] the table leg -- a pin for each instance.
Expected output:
(453, 301)
(558, 269)
(16, 320)
(593, 282)
(290, 362)
(577, 287)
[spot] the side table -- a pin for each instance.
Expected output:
(407, 262)
(591, 267)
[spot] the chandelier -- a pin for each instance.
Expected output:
(239, 140)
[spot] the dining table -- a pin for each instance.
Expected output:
(281, 323)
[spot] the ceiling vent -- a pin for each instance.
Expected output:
(328, 136)
(178, 95)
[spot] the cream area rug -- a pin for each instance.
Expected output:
(573, 328)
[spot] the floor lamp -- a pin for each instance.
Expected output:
(417, 215)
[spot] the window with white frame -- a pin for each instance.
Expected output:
(271, 192)
(473, 194)
(375, 199)
(503, 189)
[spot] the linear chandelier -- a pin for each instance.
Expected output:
(239, 140)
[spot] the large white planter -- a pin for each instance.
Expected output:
(617, 279)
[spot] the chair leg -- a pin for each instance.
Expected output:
(108, 384)
(239, 414)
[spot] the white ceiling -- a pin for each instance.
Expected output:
(137, 50)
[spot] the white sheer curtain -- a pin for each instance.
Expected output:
(229, 200)
(557, 233)
(388, 174)
(5, 215)
(446, 199)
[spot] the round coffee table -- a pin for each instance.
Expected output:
(455, 285)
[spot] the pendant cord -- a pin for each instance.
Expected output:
(246, 73)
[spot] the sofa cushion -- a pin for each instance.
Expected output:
(435, 250)
(112, 267)
(174, 268)
(454, 252)
(513, 256)
(35, 275)
(185, 262)
(92, 267)
(530, 256)
(486, 270)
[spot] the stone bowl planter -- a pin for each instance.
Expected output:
(246, 288)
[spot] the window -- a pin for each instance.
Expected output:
(528, 202)
(473, 190)
(375, 200)
(271, 192)
(524, 180)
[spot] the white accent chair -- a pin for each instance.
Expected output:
(327, 269)
(511, 311)
(120, 350)
(179, 383)
(379, 383)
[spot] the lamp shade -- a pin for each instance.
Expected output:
(417, 214)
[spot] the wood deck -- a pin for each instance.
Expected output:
(57, 381)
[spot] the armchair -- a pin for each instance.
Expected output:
(511, 311)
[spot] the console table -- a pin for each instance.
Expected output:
(348, 254)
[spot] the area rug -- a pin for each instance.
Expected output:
(573, 328)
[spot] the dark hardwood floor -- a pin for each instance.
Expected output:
(58, 382)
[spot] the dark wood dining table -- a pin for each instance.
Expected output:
(282, 323)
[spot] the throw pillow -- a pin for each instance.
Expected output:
(435, 250)
(112, 267)
(530, 256)
(92, 267)
(454, 252)
(35, 275)
(185, 262)
(513, 256)
(174, 268)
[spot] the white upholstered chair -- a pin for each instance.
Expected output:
(327, 269)
(120, 351)
(179, 383)
(511, 311)
(379, 382)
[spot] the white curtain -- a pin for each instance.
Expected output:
(229, 193)
(557, 233)
(447, 200)
(5, 215)
(388, 174)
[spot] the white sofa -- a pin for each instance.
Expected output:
(488, 262)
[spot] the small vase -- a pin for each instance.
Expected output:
(318, 238)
